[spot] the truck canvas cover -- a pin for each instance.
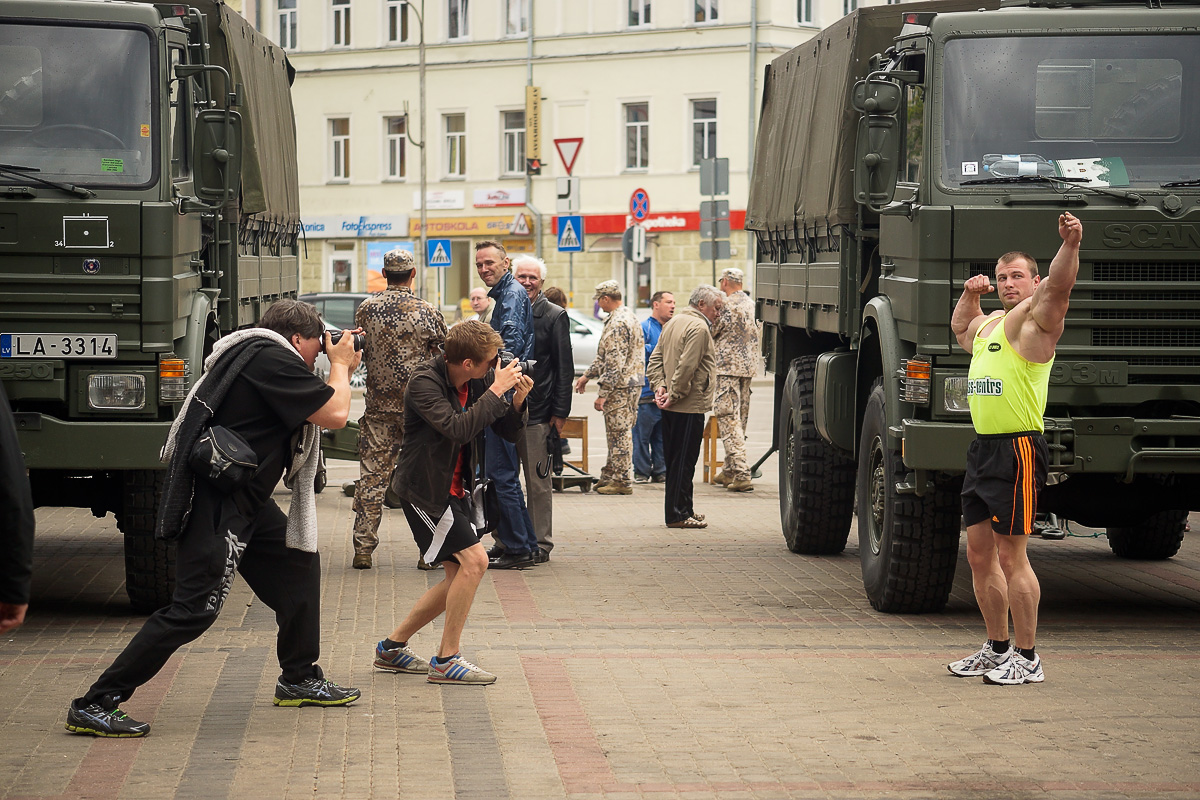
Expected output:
(806, 138)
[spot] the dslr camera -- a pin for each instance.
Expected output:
(360, 341)
(507, 358)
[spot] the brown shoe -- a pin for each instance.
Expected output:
(612, 488)
(740, 485)
(721, 479)
(362, 561)
(690, 522)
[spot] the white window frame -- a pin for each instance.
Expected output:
(338, 150)
(462, 10)
(624, 137)
(395, 144)
(848, 6)
(512, 142)
(398, 9)
(804, 12)
(519, 8)
(637, 14)
(709, 124)
(287, 25)
(448, 147)
(708, 9)
(339, 18)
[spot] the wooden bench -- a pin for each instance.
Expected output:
(575, 428)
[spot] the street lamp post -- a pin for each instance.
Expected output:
(423, 255)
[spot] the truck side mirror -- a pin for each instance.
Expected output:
(877, 152)
(217, 157)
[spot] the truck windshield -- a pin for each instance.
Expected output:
(1117, 110)
(75, 104)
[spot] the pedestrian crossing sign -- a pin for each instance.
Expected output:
(438, 252)
(570, 234)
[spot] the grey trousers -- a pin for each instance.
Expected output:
(539, 492)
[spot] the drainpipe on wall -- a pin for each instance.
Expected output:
(537, 215)
(751, 257)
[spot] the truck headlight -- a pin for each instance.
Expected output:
(954, 395)
(116, 391)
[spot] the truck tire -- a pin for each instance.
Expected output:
(908, 545)
(816, 482)
(1156, 539)
(149, 562)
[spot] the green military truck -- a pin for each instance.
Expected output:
(148, 204)
(901, 151)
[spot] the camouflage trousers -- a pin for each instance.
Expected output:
(379, 438)
(731, 407)
(620, 412)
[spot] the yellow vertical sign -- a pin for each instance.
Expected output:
(533, 130)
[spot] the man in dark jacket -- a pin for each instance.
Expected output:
(16, 524)
(550, 400)
(450, 401)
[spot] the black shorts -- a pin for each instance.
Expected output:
(440, 538)
(1005, 474)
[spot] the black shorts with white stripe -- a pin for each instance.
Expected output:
(439, 539)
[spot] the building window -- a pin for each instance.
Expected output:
(394, 136)
(704, 130)
(637, 135)
(457, 27)
(804, 12)
(397, 21)
(848, 6)
(706, 11)
(456, 145)
(339, 139)
(639, 13)
(516, 17)
(287, 24)
(341, 23)
(513, 123)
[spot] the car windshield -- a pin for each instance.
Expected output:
(64, 120)
(1103, 110)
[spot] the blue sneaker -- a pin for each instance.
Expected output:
(458, 670)
(96, 720)
(401, 659)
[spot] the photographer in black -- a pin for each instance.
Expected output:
(258, 384)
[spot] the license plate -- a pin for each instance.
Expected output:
(58, 345)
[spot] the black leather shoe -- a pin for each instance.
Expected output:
(513, 561)
(495, 551)
(541, 556)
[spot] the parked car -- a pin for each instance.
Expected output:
(585, 335)
(358, 379)
(337, 308)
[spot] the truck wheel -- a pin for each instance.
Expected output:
(908, 545)
(149, 562)
(816, 482)
(1157, 538)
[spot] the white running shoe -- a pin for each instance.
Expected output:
(980, 663)
(1017, 670)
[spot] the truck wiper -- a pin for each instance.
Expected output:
(1173, 184)
(26, 174)
(1082, 183)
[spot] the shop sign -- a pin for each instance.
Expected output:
(493, 198)
(441, 200)
(482, 227)
(350, 227)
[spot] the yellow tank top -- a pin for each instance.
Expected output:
(1007, 394)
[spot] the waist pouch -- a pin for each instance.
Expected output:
(224, 459)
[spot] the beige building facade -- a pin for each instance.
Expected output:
(636, 93)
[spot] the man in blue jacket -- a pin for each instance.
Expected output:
(649, 462)
(512, 318)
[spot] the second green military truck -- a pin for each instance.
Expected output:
(148, 204)
(901, 151)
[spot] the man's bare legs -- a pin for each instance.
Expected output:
(1024, 591)
(1004, 583)
(453, 595)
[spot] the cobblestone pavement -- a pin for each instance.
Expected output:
(640, 662)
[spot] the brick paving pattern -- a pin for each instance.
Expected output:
(641, 662)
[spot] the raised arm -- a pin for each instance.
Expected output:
(968, 314)
(1048, 307)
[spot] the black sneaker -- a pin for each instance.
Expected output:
(541, 556)
(96, 720)
(659, 478)
(314, 692)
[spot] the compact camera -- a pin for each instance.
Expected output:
(507, 358)
(360, 341)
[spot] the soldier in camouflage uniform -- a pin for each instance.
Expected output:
(620, 368)
(402, 330)
(735, 334)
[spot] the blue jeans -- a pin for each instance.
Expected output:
(648, 458)
(515, 531)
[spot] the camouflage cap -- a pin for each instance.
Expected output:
(398, 260)
(733, 274)
(608, 289)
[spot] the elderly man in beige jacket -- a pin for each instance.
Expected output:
(682, 372)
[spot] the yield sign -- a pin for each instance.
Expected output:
(568, 151)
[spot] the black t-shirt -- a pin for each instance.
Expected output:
(268, 401)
